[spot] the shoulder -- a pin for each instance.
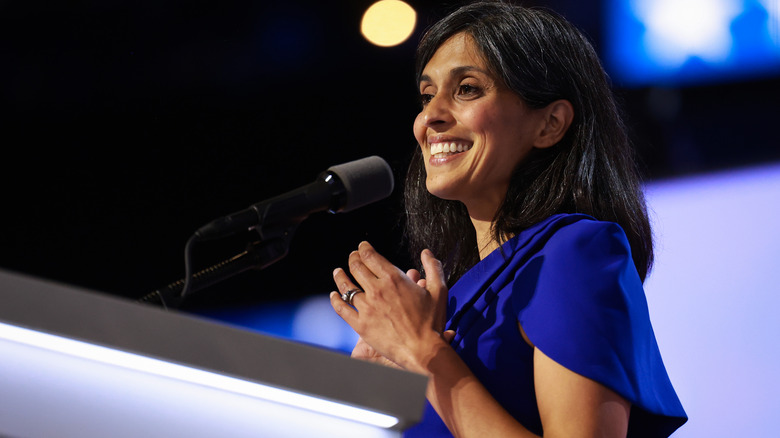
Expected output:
(588, 236)
(583, 267)
(573, 239)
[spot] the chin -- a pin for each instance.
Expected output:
(442, 191)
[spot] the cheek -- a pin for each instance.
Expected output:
(481, 120)
(419, 129)
(485, 119)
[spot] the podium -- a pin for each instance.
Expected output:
(78, 363)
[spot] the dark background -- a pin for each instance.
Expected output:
(125, 126)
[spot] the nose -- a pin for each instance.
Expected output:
(436, 114)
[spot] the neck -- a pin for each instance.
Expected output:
(485, 241)
(482, 214)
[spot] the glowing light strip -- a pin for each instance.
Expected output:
(180, 372)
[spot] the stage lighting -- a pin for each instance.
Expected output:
(685, 42)
(388, 23)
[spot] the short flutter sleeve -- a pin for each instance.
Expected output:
(587, 311)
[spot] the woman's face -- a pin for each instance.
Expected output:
(473, 130)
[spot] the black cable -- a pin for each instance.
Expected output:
(188, 265)
(258, 255)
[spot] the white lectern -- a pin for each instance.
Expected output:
(76, 363)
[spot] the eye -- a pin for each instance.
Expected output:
(425, 98)
(467, 90)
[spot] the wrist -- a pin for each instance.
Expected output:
(429, 350)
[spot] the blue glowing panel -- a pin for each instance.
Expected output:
(678, 42)
(311, 320)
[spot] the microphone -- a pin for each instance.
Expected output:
(339, 189)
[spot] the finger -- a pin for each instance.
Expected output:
(345, 285)
(342, 280)
(436, 286)
(362, 350)
(414, 275)
(448, 335)
(374, 261)
(347, 313)
(434, 274)
(362, 274)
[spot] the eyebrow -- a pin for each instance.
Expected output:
(457, 71)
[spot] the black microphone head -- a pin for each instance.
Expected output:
(366, 180)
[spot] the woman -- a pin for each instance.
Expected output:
(535, 321)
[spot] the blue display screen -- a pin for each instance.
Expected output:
(685, 42)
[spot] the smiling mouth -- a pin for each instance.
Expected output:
(441, 150)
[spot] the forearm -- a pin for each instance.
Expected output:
(460, 399)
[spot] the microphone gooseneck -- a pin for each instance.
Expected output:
(339, 189)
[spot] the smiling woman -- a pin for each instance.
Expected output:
(534, 320)
(491, 127)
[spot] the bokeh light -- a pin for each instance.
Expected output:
(388, 23)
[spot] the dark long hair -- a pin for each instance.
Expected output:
(542, 58)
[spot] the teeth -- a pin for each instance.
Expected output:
(448, 148)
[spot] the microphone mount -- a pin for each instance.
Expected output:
(281, 214)
(340, 188)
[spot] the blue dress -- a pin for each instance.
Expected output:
(571, 284)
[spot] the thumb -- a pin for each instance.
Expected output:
(434, 275)
(448, 336)
(436, 286)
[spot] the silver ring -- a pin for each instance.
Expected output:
(348, 295)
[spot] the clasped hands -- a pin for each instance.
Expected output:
(400, 317)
